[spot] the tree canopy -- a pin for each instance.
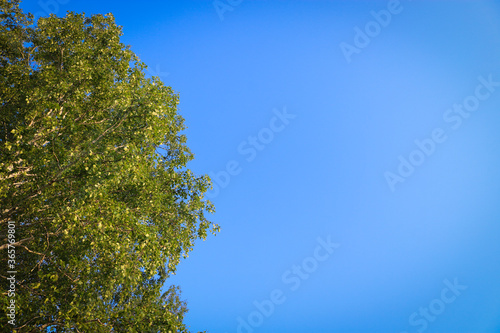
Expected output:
(93, 175)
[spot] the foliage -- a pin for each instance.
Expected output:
(93, 173)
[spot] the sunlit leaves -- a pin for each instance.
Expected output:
(93, 171)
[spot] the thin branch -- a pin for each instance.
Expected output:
(18, 243)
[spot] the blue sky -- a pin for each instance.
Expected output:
(334, 218)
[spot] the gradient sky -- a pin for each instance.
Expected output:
(422, 256)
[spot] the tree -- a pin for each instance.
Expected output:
(93, 176)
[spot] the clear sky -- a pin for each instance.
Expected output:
(354, 146)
